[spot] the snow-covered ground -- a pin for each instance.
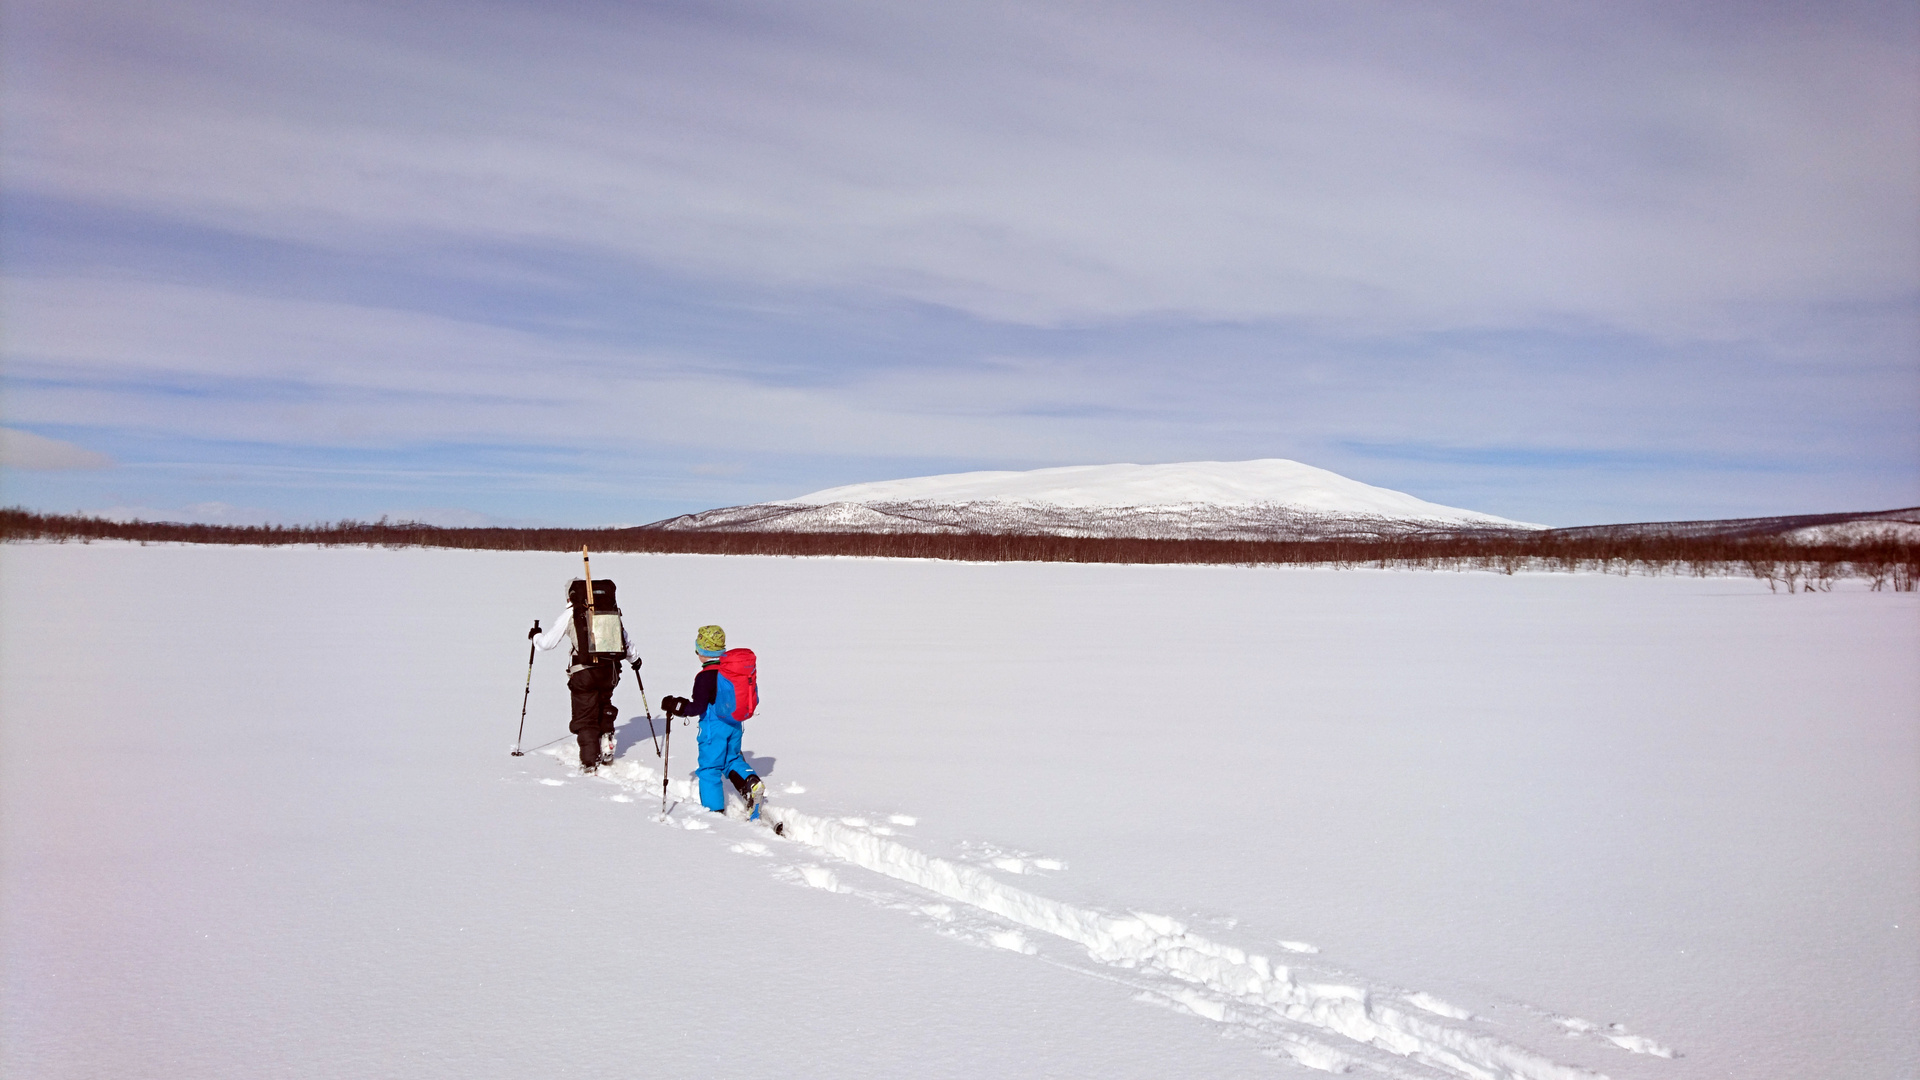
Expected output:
(259, 820)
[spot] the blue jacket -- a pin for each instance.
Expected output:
(712, 697)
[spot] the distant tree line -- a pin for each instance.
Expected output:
(1885, 560)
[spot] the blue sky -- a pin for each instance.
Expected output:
(604, 263)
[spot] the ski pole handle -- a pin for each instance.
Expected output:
(535, 632)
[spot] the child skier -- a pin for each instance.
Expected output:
(725, 694)
(591, 678)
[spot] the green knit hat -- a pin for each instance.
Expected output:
(710, 641)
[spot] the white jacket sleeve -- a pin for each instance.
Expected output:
(561, 630)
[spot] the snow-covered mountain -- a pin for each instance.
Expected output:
(1894, 526)
(1271, 498)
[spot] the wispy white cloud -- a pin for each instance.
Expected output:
(25, 450)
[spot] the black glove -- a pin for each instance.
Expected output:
(535, 632)
(635, 661)
(672, 704)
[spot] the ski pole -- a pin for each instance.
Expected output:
(649, 708)
(642, 684)
(666, 765)
(528, 692)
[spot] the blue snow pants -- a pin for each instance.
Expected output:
(719, 755)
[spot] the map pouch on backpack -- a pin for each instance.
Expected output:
(598, 638)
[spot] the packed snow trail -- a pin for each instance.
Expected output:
(1216, 981)
(1161, 944)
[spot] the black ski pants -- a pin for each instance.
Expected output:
(593, 709)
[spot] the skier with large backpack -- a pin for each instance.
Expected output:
(591, 625)
(725, 694)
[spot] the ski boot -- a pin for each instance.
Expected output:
(752, 792)
(607, 747)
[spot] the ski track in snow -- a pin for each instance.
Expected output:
(1322, 1019)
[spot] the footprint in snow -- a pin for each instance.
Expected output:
(1012, 940)
(820, 877)
(1638, 1044)
(1616, 1034)
(1012, 861)
(1424, 1000)
(863, 823)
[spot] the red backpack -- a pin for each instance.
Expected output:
(740, 669)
